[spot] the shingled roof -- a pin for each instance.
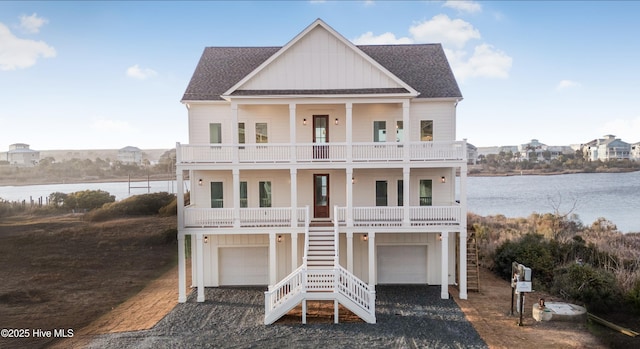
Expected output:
(424, 67)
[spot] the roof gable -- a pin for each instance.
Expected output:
(421, 70)
(320, 59)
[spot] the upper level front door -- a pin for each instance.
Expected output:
(321, 196)
(321, 136)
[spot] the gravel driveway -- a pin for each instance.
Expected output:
(407, 317)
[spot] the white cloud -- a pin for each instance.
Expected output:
(139, 73)
(567, 84)
(106, 125)
(442, 29)
(387, 38)
(32, 24)
(16, 53)
(626, 129)
(463, 6)
(486, 62)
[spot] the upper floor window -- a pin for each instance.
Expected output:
(381, 193)
(425, 192)
(426, 130)
(265, 194)
(379, 131)
(261, 133)
(241, 138)
(399, 131)
(243, 195)
(217, 199)
(215, 133)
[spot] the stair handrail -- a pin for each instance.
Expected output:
(307, 222)
(336, 236)
(291, 285)
(356, 290)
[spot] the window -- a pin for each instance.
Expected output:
(215, 133)
(217, 199)
(381, 193)
(261, 132)
(243, 195)
(400, 192)
(379, 131)
(241, 132)
(426, 130)
(265, 194)
(399, 131)
(425, 192)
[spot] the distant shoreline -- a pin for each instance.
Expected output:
(5, 182)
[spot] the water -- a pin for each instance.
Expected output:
(119, 189)
(614, 196)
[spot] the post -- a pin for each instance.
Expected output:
(444, 276)
(182, 270)
(200, 264)
(521, 307)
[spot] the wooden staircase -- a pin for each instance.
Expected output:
(322, 247)
(473, 269)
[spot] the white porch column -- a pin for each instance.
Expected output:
(292, 131)
(463, 229)
(463, 263)
(349, 129)
(236, 198)
(182, 270)
(350, 251)
(405, 129)
(444, 271)
(349, 181)
(406, 195)
(272, 259)
(294, 197)
(234, 131)
(372, 258)
(200, 249)
(294, 251)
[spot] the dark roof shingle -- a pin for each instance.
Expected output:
(424, 67)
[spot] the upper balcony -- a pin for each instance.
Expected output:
(454, 151)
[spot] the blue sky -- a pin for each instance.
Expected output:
(104, 75)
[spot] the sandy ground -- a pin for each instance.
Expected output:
(487, 310)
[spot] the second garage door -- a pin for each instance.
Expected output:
(402, 264)
(244, 266)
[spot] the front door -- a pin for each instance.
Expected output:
(321, 196)
(320, 136)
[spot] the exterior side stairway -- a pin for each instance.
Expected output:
(320, 277)
(473, 269)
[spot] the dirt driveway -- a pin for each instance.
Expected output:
(487, 311)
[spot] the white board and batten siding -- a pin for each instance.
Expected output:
(319, 61)
(443, 115)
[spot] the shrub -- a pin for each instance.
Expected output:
(533, 251)
(138, 205)
(633, 296)
(87, 199)
(596, 288)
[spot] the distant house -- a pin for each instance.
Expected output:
(472, 154)
(537, 151)
(607, 148)
(322, 169)
(130, 155)
(635, 152)
(20, 155)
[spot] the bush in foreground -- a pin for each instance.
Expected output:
(138, 205)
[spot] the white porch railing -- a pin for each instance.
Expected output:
(248, 217)
(314, 152)
(376, 216)
(337, 283)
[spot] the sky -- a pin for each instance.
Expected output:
(105, 75)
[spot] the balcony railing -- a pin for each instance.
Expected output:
(360, 217)
(328, 152)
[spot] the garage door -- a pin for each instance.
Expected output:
(244, 266)
(402, 264)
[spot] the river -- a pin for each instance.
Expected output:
(614, 196)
